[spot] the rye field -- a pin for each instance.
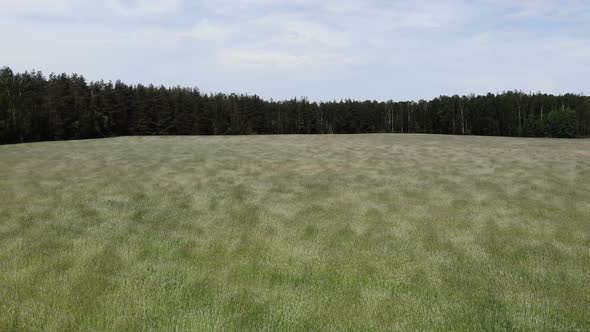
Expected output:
(268, 233)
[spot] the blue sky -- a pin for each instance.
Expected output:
(323, 50)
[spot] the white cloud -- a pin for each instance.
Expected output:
(552, 9)
(249, 58)
(366, 49)
(42, 6)
(207, 31)
(85, 8)
(143, 7)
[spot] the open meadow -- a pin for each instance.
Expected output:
(335, 232)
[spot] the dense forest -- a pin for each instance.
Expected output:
(61, 107)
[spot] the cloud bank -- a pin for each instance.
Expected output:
(373, 49)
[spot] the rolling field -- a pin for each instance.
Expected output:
(364, 232)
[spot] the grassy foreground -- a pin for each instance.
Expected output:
(366, 232)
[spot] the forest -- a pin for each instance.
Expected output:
(34, 107)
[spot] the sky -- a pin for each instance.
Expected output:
(319, 49)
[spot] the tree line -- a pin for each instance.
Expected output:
(62, 107)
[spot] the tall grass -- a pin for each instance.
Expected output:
(366, 232)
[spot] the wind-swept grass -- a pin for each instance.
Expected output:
(367, 232)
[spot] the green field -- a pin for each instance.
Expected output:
(365, 232)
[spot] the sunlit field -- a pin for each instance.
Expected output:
(364, 232)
